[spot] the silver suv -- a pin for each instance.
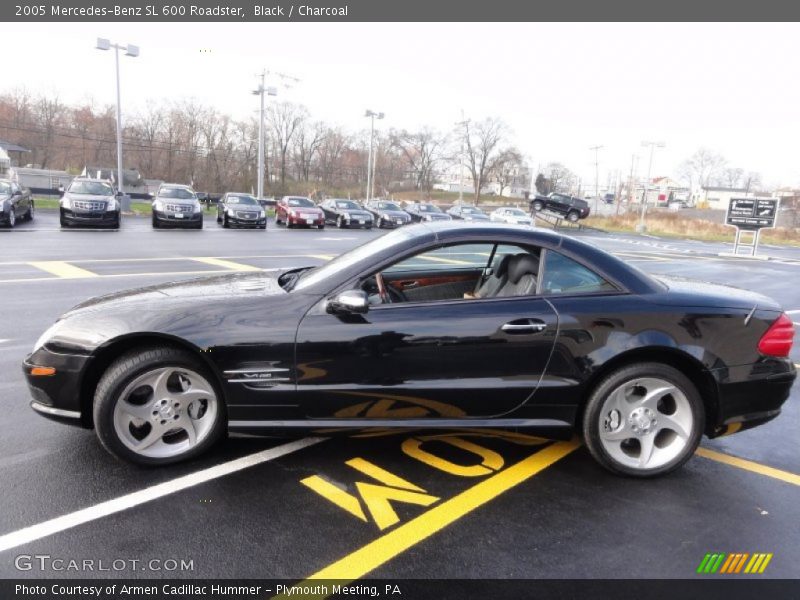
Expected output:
(177, 206)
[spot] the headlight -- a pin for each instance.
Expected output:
(66, 203)
(262, 215)
(197, 207)
(159, 205)
(111, 206)
(231, 213)
(428, 218)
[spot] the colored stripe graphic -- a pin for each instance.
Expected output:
(733, 563)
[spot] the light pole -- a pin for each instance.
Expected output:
(260, 91)
(596, 176)
(462, 123)
(641, 228)
(132, 51)
(372, 116)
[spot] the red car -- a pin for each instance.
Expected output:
(299, 211)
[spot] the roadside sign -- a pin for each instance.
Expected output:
(751, 215)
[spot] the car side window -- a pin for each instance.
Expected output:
(563, 275)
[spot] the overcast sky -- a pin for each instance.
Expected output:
(561, 87)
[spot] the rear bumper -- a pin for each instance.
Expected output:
(750, 395)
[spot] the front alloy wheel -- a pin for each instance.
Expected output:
(12, 218)
(572, 217)
(157, 406)
(643, 420)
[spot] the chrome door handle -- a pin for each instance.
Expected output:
(531, 326)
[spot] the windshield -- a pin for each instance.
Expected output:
(470, 210)
(243, 200)
(94, 188)
(388, 206)
(5, 188)
(428, 208)
(516, 212)
(179, 193)
(346, 204)
(299, 202)
(338, 264)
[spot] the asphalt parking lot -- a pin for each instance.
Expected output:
(501, 505)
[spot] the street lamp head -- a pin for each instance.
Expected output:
(103, 44)
(380, 115)
(272, 91)
(132, 51)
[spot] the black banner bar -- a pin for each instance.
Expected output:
(396, 11)
(716, 587)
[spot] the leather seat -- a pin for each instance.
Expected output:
(495, 281)
(523, 270)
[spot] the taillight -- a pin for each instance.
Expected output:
(777, 341)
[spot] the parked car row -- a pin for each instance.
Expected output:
(96, 202)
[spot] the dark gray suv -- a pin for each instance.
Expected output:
(570, 207)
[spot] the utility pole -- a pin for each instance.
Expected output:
(596, 176)
(372, 116)
(269, 91)
(462, 123)
(641, 228)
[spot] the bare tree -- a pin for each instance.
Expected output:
(421, 151)
(731, 177)
(560, 177)
(284, 119)
(308, 140)
(508, 168)
(703, 167)
(481, 148)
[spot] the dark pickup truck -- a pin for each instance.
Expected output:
(570, 207)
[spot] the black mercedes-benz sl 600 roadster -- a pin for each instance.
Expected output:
(433, 325)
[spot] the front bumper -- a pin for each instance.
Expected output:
(184, 220)
(57, 396)
(316, 221)
(85, 217)
(390, 222)
(750, 395)
(237, 222)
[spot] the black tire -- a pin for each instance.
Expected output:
(264, 226)
(340, 222)
(594, 406)
(199, 224)
(29, 216)
(379, 223)
(63, 222)
(537, 206)
(573, 217)
(225, 223)
(156, 224)
(12, 218)
(321, 226)
(124, 370)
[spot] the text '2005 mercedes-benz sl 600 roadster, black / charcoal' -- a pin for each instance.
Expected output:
(445, 324)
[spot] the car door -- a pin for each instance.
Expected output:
(449, 358)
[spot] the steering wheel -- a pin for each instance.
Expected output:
(388, 294)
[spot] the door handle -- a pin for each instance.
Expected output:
(406, 285)
(524, 326)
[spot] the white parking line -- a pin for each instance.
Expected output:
(4, 341)
(115, 505)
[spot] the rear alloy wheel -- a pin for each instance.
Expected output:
(29, 216)
(643, 420)
(12, 218)
(157, 406)
(572, 217)
(379, 223)
(340, 222)
(538, 206)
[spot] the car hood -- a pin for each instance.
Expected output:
(355, 212)
(394, 214)
(693, 292)
(218, 288)
(181, 201)
(88, 197)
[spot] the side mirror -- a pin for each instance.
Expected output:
(348, 302)
(118, 194)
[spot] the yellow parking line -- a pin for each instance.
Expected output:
(227, 264)
(749, 465)
(63, 270)
(320, 256)
(386, 547)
